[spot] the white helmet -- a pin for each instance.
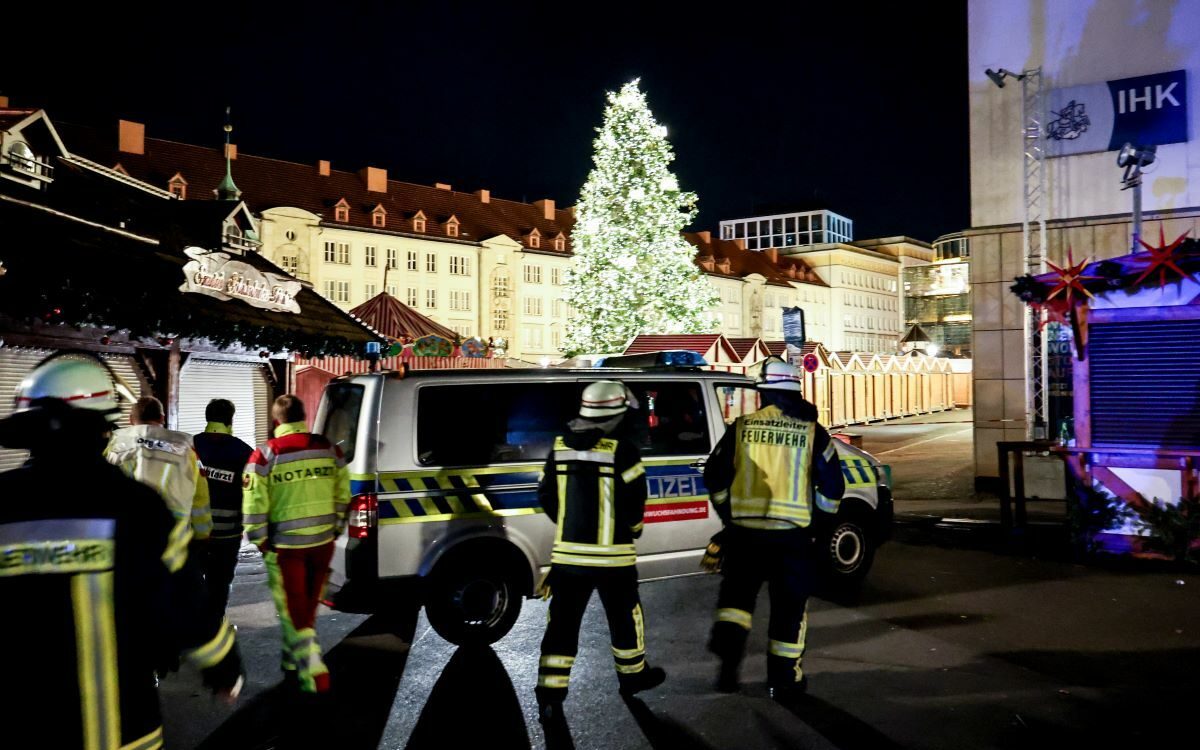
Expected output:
(779, 376)
(604, 398)
(81, 380)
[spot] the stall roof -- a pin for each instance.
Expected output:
(396, 320)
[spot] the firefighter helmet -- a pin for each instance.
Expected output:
(80, 379)
(602, 399)
(780, 376)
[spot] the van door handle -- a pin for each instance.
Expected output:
(698, 464)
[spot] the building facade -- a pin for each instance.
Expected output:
(937, 296)
(1095, 98)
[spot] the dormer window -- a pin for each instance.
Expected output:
(379, 217)
(418, 221)
(21, 159)
(534, 239)
(178, 186)
(452, 227)
(560, 242)
(341, 212)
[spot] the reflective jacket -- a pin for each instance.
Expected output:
(762, 473)
(223, 458)
(165, 460)
(112, 595)
(595, 489)
(296, 490)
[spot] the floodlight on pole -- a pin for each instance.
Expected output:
(1133, 158)
(997, 76)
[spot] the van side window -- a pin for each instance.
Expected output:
(473, 425)
(671, 419)
(736, 400)
(338, 417)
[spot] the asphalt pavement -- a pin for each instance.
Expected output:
(953, 642)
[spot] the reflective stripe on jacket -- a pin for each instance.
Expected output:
(223, 458)
(296, 490)
(597, 496)
(165, 460)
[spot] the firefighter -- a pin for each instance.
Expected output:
(594, 486)
(165, 460)
(296, 490)
(98, 584)
(223, 458)
(771, 476)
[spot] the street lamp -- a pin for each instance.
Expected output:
(1133, 158)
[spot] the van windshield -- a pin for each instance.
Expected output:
(339, 415)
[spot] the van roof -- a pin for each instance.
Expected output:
(551, 373)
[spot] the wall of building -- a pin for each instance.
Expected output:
(1088, 214)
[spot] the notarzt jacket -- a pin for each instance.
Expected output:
(165, 460)
(595, 489)
(223, 459)
(762, 473)
(101, 592)
(296, 490)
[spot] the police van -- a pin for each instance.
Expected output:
(444, 469)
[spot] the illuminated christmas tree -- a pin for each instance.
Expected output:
(633, 270)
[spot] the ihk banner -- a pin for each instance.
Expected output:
(1145, 110)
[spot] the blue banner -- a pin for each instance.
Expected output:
(793, 327)
(1142, 110)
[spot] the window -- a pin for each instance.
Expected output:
(460, 299)
(393, 290)
(731, 295)
(328, 289)
(672, 420)
(558, 308)
(500, 320)
(560, 243)
(533, 305)
(431, 298)
(733, 320)
(555, 337)
(337, 252)
(369, 255)
(500, 286)
(452, 228)
(460, 265)
(419, 222)
(330, 252)
(290, 264)
(178, 186)
(556, 276)
(533, 274)
(410, 296)
(341, 212)
(391, 257)
(378, 218)
(343, 402)
(532, 336)
(768, 301)
(371, 290)
(430, 263)
(462, 329)
(534, 239)
(342, 292)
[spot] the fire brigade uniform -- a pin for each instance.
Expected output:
(105, 576)
(223, 458)
(761, 478)
(295, 494)
(165, 460)
(595, 489)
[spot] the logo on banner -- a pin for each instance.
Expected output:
(218, 275)
(1072, 122)
(1146, 110)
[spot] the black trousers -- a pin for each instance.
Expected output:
(219, 560)
(570, 589)
(785, 560)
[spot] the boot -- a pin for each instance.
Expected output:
(550, 706)
(650, 677)
(788, 694)
(727, 677)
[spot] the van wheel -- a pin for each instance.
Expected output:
(472, 605)
(847, 552)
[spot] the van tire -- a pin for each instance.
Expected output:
(472, 604)
(845, 553)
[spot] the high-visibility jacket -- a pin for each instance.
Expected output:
(296, 490)
(762, 473)
(223, 458)
(165, 460)
(595, 489)
(116, 596)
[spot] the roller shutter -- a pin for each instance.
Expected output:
(243, 383)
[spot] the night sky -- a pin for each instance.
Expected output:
(858, 108)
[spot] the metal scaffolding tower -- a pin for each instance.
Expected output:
(1033, 231)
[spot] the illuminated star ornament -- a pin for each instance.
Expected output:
(1070, 279)
(1162, 258)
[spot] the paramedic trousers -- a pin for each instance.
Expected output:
(297, 578)
(570, 588)
(785, 560)
(219, 561)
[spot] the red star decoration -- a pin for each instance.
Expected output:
(1070, 279)
(1050, 312)
(1161, 258)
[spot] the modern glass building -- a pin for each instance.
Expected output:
(789, 230)
(938, 296)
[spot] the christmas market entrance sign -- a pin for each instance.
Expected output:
(219, 275)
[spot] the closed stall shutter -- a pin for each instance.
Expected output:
(1144, 382)
(16, 363)
(243, 383)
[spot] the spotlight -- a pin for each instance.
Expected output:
(997, 76)
(1130, 154)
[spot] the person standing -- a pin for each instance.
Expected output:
(769, 476)
(223, 458)
(296, 490)
(99, 583)
(165, 460)
(594, 486)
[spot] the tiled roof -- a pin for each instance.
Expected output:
(742, 346)
(270, 183)
(779, 348)
(10, 117)
(730, 260)
(396, 320)
(694, 342)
